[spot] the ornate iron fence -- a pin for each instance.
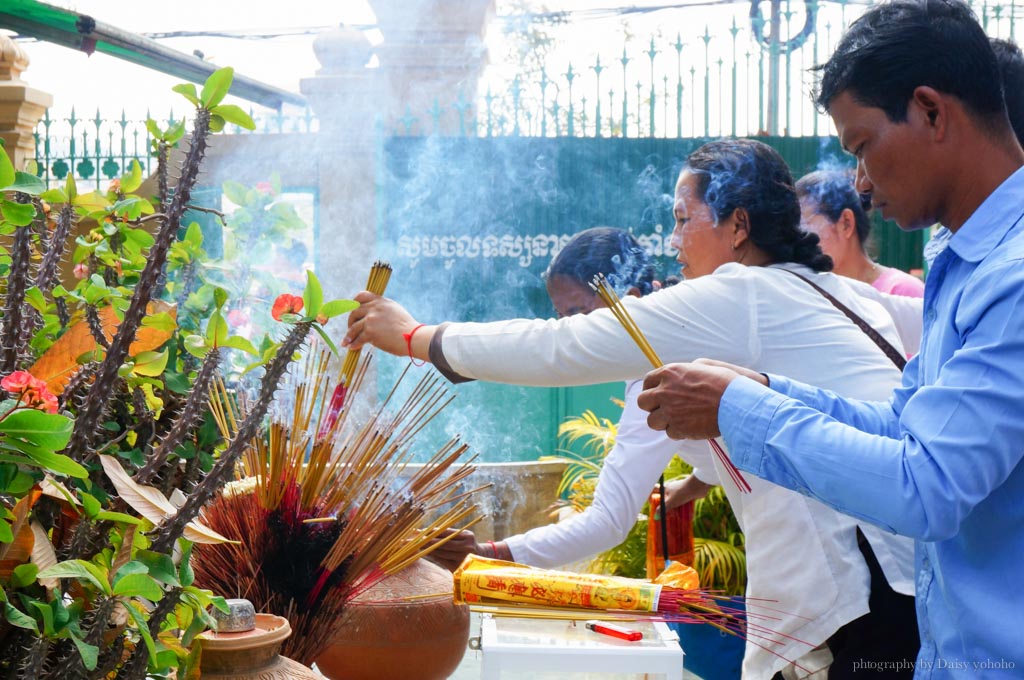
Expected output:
(98, 149)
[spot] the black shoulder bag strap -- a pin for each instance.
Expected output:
(883, 344)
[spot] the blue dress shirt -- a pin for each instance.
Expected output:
(941, 460)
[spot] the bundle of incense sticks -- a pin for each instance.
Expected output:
(608, 295)
(326, 511)
(380, 274)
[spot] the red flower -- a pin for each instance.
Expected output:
(265, 188)
(30, 391)
(286, 304)
(115, 186)
(16, 382)
(81, 271)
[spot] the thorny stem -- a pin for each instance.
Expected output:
(14, 302)
(92, 318)
(248, 429)
(47, 277)
(95, 404)
(187, 419)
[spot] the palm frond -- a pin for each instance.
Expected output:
(721, 565)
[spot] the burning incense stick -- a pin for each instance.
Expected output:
(380, 274)
(609, 297)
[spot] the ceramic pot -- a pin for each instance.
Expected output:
(252, 654)
(407, 621)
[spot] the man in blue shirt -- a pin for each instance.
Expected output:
(914, 91)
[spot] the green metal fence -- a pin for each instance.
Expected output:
(97, 149)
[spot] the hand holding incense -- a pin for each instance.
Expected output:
(610, 298)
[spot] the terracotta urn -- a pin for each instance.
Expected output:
(251, 654)
(405, 626)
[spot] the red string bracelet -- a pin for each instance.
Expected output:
(408, 344)
(494, 549)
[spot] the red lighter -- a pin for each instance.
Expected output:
(615, 631)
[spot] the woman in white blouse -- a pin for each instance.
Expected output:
(640, 454)
(832, 584)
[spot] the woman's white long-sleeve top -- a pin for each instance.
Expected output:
(800, 554)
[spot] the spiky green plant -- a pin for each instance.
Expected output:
(95, 579)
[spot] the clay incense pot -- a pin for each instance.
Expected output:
(407, 625)
(246, 646)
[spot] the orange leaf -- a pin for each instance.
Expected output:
(59, 362)
(19, 552)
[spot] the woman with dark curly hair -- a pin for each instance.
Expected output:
(839, 588)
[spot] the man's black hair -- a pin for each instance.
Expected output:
(1011, 67)
(898, 46)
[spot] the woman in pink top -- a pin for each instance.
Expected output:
(831, 208)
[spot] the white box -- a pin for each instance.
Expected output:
(560, 647)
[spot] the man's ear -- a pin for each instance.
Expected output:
(933, 108)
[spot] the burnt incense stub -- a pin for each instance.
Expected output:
(240, 618)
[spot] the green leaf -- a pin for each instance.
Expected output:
(337, 308)
(18, 618)
(34, 297)
(138, 585)
(6, 534)
(216, 123)
(48, 430)
(7, 173)
(54, 196)
(150, 364)
(326, 338)
(235, 192)
(132, 180)
(13, 481)
(26, 184)
(175, 133)
(70, 188)
(217, 86)
(154, 129)
(220, 297)
(185, 574)
(90, 504)
(89, 653)
(161, 322)
(188, 91)
(234, 114)
(240, 343)
(81, 570)
(194, 235)
(46, 613)
(312, 296)
(196, 346)
(120, 517)
(216, 330)
(18, 214)
(160, 566)
(24, 575)
(142, 626)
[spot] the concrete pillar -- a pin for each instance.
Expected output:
(21, 106)
(344, 95)
(433, 54)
